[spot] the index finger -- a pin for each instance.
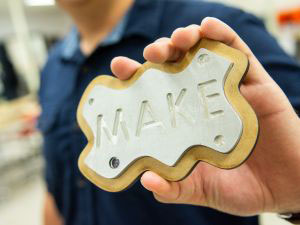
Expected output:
(215, 29)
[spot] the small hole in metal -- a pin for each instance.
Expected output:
(114, 162)
(203, 58)
(91, 101)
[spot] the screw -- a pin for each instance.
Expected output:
(114, 162)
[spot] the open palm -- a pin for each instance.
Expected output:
(266, 182)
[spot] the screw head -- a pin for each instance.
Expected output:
(114, 162)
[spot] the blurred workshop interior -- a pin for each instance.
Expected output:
(28, 29)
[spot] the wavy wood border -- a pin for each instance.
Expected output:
(195, 154)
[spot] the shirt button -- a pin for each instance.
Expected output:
(81, 183)
(85, 70)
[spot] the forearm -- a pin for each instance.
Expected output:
(51, 214)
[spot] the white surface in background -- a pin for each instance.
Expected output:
(272, 219)
(260, 7)
(25, 207)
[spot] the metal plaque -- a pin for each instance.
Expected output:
(161, 116)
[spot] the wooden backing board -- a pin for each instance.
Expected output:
(195, 154)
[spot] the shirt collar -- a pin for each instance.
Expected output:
(71, 42)
(142, 19)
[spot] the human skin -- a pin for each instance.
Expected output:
(269, 181)
(51, 215)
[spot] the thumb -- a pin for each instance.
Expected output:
(184, 191)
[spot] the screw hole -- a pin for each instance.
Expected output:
(219, 140)
(91, 101)
(203, 58)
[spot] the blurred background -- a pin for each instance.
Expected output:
(28, 29)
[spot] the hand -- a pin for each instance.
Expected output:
(270, 179)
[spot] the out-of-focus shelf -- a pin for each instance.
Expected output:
(17, 111)
(20, 145)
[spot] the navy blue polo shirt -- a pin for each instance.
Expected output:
(68, 72)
